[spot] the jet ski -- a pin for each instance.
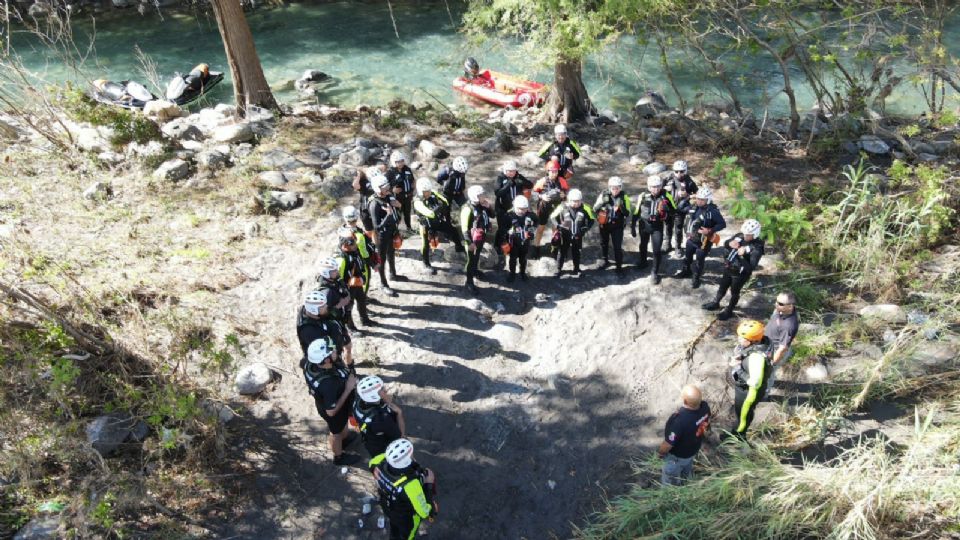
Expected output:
(126, 94)
(184, 89)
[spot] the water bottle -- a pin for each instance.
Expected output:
(381, 522)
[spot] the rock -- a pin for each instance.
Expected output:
(868, 350)
(429, 151)
(257, 114)
(110, 157)
(921, 147)
(150, 149)
(546, 266)
(851, 147)
(889, 336)
(243, 150)
(639, 160)
(366, 143)
(98, 191)
(639, 148)
(233, 133)
(654, 168)
(162, 110)
(106, 433)
(931, 334)
(610, 116)
(355, 158)
(225, 110)
(40, 528)
(90, 139)
(531, 160)
(874, 145)
(541, 298)
(223, 412)
(182, 130)
(916, 317)
(252, 230)
(272, 201)
(273, 178)
(927, 158)
(309, 79)
(9, 132)
(460, 132)
(511, 117)
(942, 147)
(212, 159)
(937, 354)
(174, 169)
(500, 142)
(650, 105)
(253, 379)
(140, 431)
(278, 159)
(889, 313)
(508, 334)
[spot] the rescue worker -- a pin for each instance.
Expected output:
(405, 488)
(702, 222)
(509, 184)
(472, 73)
(332, 385)
(354, 266)
(683, 436)
(197, 77)
(562, 150)
(386, 227)
(651, 211)
(679, 188)
(612, 208)
(329, 278)
(453, 178)
(315, 322)
(361, 184)
(433, 213)
(475, 223)
(782, 329)
(351, 216)
(521, 225)
(551, 190)
(572, 221)
(751, 371)
(379, 420)
(742, 256)
(402, 181)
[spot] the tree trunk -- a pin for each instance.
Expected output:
(249, 85)
(568, 101)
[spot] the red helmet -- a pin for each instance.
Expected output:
(553, 165)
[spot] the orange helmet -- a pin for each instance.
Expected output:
(553, 165)
(750, 330)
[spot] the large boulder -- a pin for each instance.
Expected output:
(888, 313)
(90, 139)
(278, 159)
(162, 110)
(276, 201)
(531, 160)
(106, 433)
(650, 105)
(355, 158)
(173, 170)
(40, 528)
(253, 379)
(98, 191)
(212, 159)
(308, 81)
(273, 178)
(428, 151)
(233, 133)
(500, 142)
(182, 130)
(654, 168)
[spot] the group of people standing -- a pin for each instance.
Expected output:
(674, 214)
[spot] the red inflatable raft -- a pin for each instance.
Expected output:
(502, 90)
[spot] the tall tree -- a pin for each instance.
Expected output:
(249, 85)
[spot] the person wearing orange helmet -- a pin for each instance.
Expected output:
(551, 190)
(751, 373)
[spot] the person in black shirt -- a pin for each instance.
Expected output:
(509, 185)
(401, 180)
(361, 184)
(379, 420)
(332, 386)
(743, 252)
(520, 230)
(702, 222)
(562, 150)
(453, 178)
(683, 436)
(474, 224)
(314, 322)
(782, 329)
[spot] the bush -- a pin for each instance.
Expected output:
(128, 126)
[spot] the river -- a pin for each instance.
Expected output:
(355, 43)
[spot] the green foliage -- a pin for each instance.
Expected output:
(911, 130)
(102, 513)
(128, 126)
(873, 237)
(781, 223)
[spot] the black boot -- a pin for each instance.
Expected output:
(642, 264)
(605, 264)
(726, 313)
(655, 277)
(429, 269)
(696, 282)
(711, 306)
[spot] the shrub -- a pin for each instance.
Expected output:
(128, 126)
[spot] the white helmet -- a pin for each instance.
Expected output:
(379, 181)
(424, 184)
(559, 128)
(509, 166)
(319, 350)
(329, 269)
(474, 193)
(346, 232)
(350, 214)
(314, 302)
(615, 181)
(751, 227)
(521, 201)
(460, 164)
(369, 388)
(654, 181)
(400, 454)
(680, 166)
(704, 193)
(396, 156)
(575, 195)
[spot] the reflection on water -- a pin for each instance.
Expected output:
(354, 42)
